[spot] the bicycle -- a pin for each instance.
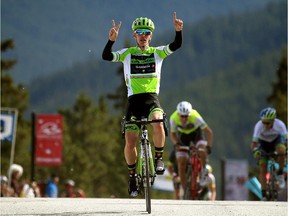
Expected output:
(272, 182)
(193, 174)
(145, 170)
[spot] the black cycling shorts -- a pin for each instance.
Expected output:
(193, 137)
(269, 147)
(141, 105)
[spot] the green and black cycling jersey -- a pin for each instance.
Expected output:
(142, 69)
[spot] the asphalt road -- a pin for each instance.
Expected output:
(127, 207)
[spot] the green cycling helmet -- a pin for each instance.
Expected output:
(143, 23)
(268, 113)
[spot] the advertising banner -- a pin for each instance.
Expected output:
(7, 124)
(48, 139)
(235, 177)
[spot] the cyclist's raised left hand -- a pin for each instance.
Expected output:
(178, 23)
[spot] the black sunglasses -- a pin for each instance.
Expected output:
(184, 116)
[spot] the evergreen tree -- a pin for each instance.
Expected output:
(279, 93)
(92, 154)
(15, 97)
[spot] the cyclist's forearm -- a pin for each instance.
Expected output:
(209, 134)
(174, 138)
(176, 44)
(253, 145)
(107, 52)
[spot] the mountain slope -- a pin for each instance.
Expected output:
(199, 56)
(52, 35)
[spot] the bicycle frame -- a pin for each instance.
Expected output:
(145, 164)
(193, 173)
(272, 187)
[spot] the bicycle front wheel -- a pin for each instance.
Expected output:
(273, 193)
(187, 190)
(147, 184)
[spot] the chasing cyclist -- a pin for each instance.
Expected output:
(208, 191)
(173, 171)
(142, 70)
(269, 136)
(186, 126)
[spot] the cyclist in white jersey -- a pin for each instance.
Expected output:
(269, 136)
(142, 71)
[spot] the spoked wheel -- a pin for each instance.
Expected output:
(146, 181)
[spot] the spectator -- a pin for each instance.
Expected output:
(6, 191)
(14, 173)
(69, 189)
(36, 189)
(27, 190)
(51, 189)
(81, 194)
(209, 190)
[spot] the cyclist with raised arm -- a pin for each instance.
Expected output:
(269, 136)
(142, 71)
(186, 126)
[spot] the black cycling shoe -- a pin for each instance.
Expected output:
(159, 166)
(132, 186)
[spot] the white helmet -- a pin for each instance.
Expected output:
(184, 108)
(70, 182)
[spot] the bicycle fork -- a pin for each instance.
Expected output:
(145, 148)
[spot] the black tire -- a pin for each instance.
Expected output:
(272, 187)
(147, 186)
(187, 192)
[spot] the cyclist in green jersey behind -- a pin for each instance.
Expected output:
(186, 126)
(142, 71)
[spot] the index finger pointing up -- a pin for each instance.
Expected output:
(174, 15)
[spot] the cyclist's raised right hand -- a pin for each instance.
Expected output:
(113, 34)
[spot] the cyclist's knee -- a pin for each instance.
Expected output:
(201, 145)
(158, 127)
(182, 155)
(156, 113)
(281, 148)
(201, 150)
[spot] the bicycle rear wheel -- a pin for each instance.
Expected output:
(146, 179)
(194, 185)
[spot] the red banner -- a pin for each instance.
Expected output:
(49, 132)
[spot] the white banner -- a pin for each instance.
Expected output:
(235, 177)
